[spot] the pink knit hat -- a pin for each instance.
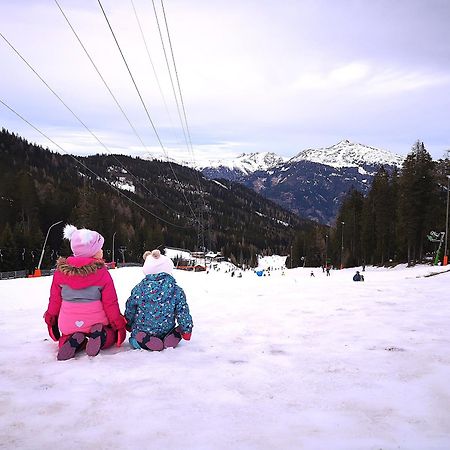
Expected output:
(157, 263)
(83, 242)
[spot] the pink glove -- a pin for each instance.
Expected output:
(121, 335)
(119, 325)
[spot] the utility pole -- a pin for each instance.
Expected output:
(114, 235)
(37, 272)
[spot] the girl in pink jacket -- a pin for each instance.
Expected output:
(83, 301)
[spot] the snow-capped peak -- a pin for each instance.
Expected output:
(349, 154)
(246, 162)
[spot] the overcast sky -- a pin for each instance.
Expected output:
(256, 75)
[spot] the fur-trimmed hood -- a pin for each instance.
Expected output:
(78, 266)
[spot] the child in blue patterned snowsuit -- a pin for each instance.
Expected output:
(156, 305)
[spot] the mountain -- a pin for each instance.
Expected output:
(144, 204)
(313, 183)
(349, 154)
(241, 166)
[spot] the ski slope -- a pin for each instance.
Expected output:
(286, 361)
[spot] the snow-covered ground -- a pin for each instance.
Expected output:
(286, 361)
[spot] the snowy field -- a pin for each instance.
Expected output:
(276, 362)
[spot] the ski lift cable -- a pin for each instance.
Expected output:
(76, 116)
(201, 225)
(151, 63)
(189, 140)
(145, 108)
(181, 98)
(87, 168)
(118, 105)
(178, 79)
(170, 75)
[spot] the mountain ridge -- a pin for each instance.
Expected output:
(313, 183)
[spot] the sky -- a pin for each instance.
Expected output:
(286, 361)
(255, 75)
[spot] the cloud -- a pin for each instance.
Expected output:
(255, 75)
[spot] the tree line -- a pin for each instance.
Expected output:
(39, 187)
(392, 223)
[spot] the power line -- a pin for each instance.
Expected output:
(170, 74)
(77, 117)
(87, 168)
(151, 61)
(176, 74)
(117, 103)
(200, 236)
(100, 75)
(186, 138)
(143, 104)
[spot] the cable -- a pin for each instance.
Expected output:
(145, 107)
(100, 75)
(87, 168)
(199, 211)
(200, 236)
(170, 74)
(118, 105)
(151, 62)
(178, 80)
(77, 118)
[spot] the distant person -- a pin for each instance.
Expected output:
(328, 271)
(157, 312)
(83, 301)
(312, 274)
(358, 276)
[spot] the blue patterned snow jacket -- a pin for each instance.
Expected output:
(155, 304)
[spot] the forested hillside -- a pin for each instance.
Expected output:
(144, 204)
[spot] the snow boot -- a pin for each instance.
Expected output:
(69, 348)
(148, 342)
(97, 338)
(172, 338)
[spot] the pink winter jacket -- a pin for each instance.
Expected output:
(83, 294)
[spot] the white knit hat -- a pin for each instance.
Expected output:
(157, 263)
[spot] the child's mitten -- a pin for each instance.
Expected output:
(119, 326)
(121, 335)
(52, 325)
(186, 336)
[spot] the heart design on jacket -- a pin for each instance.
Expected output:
(79, 323)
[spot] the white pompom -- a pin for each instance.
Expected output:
(68, 231)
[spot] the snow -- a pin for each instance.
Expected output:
(285, 361)
(245, 163)
(174, 253)
(123, 184)
(348, 154)
(220, 184)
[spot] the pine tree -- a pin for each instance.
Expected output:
(382, 209)
(417, 187)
